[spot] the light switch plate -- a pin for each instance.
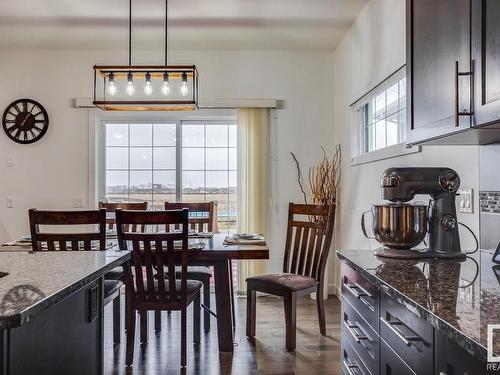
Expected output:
(10, 161)
(78, 202)
(465, 201)
(11, 202)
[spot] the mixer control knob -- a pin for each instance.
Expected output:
(448, 223)
(449, 181)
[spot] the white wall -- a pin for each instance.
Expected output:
(48, 174)
(372, 49)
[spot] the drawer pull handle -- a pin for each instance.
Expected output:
(406, 339)
(351, 327)
(349, 368)
(353, 288)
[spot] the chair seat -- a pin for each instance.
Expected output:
(111, 286)
(115, 274)
(194, 271)
(192, 287)
(282, 281)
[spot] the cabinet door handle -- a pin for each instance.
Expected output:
(470, 112)
(351, 327)
(353, 288)
(349, 368)
(406, 339)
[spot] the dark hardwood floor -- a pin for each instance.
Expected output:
(315, 354)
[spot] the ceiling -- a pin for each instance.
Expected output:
(193, 24)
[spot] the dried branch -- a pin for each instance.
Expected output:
(299, 177)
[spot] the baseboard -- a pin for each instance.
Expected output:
(333, 290)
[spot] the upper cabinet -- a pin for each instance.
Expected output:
(453, 67)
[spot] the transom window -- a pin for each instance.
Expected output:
(174, 161)
(380, 115)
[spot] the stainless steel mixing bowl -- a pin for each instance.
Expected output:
(396, 225)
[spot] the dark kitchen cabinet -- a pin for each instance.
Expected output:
(486, 59)
(453, 69)
(439, 39)
(453, 360)
(391, 363)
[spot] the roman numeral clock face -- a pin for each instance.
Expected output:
(25, 121)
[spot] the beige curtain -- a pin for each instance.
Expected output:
(253, 186)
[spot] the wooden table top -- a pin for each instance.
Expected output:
(214, 249)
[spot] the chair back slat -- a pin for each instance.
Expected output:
(308, 239)
(202, 216)
(151, 251)
(64, 241)
(112, 207)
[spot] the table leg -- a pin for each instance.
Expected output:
(223, 302)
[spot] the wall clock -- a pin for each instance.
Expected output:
(25, 121)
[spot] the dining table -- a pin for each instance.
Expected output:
(213, 253)
(216, 253)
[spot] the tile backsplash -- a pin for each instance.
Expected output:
(489, 201)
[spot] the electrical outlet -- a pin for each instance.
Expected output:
(10, 161)
(11, 202)
(465, 200)
(78, 202)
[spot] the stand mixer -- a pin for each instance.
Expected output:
(397, 222)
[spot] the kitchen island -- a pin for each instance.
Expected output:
(419, 316)
(51, 311)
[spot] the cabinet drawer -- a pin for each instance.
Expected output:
(453, 360)
(351, 363)
(363, 339)
(391, 363)
(361, 294)
(407, 334)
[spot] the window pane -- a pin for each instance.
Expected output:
(163, 188)
(232, 136)
(164, 134)
(116, 158)
(233, 162)
(141, 158)
(117, 183)
(193, 135)
(217, 182)
(370, 138)
(380, 134)
(392, 130)
(116, 134)
(402, 93)
(193, 182)
(193, 159)
(141, 186)
(402, 126)
(164, 158)
(216, 135)
(141, 134)
(217, 159)
(392, 99)
(380, 106)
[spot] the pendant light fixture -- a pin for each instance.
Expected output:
(146, 87)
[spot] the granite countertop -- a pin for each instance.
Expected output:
(460, 299)
(31, 282)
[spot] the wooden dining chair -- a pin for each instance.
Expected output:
(202, 218)
(308, 240)
(77, 241)
(117, 273)
(150, 290)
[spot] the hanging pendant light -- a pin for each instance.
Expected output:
(115, 86)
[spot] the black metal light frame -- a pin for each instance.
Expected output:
(102, 72)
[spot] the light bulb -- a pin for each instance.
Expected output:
(112, 89)
(148, 89)
(184, 87)
(165, 89)
(130, 84)
(111, 86)
(130, 88)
